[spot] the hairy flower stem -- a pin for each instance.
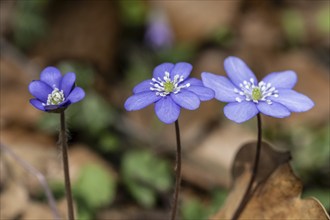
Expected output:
(178, 171)
(247, 194)
(64, 144)
(41, 178)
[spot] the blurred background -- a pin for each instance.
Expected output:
(122, 163)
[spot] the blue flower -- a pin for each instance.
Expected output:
(170, 89)
(159, 34)
(273, 96)
(54, 93)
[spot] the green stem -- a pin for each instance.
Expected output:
(178, 171)
(64, 143)
(247, 194)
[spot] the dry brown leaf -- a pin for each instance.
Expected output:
(277, 189)
(208, 165)
(13, 199)
(77, 29)
(207, 17)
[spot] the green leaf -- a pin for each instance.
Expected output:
(193, 209)
(95, 186)
(93, 114)
(84, 213)
(108, 142)
(218, 198)
(145, 175)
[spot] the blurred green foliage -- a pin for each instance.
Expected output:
(94, 189)
(223, 36)
(29, 23)
(94, 115)
(322, 194)
(133, 13)
(109, 142)
(194, 208)
(181, 52)
(294, 26)
(323, 20)
(85, 73)
(311, 152)
(145, 175)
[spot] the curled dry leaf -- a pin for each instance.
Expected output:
(276, 191)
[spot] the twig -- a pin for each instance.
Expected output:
(41, 178)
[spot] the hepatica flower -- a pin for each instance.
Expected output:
(170, 89)
(246, 97)
(54, 92)
(159, 34)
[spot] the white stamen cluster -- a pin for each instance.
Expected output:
(165, 86)
(254, 93)
(56, 97)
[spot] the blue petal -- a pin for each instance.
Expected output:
(58, 108)
(167, 110)
(275, 109)
(52, 76)
(140, 100)
(40, 90)
(238, 71)
(202, 92)
(37, 104)
(193, 82)
(294, 101)
(286, 79)
(186, 99)
(160, 70)
(142, 87)
(64, 104)
(181, 69)
(51, 108)
(240, 111)
(76, 95)
(223, 88)
(67, 83)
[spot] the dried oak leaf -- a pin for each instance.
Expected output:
(276, 191)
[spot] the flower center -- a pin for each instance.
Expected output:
(168, 87)
(256, 93)
(165, 86)
(56, 97)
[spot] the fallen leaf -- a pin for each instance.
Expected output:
(207, 17)
(35, 210)
(13, 199)
(208, 164)
(277, 190)
(270, 159)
